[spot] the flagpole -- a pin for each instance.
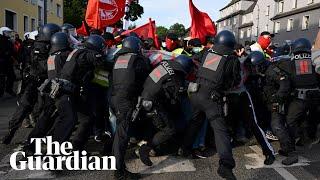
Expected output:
(126, 22)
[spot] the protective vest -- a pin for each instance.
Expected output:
(180, 51)
(160, 75)
(101, 77)
(304, 75)
(124, 72)
(212, 69)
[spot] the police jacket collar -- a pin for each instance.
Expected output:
(222, 50)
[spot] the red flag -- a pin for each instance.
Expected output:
(201, 25)
(83, 30)
(101, 13)
(146, 31)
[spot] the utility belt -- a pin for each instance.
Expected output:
(55, 87)
(307, 94)
(214, 94)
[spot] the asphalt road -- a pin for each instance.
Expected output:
(249, 161)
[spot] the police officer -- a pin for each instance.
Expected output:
(6, 53)
(257, 66)
(37, 74)
(304, 88)
(71, 85)
(218, 72)
(58, 54)
(129, 73)
(162, 92)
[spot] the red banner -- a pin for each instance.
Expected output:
(201, 25)
(101, 13)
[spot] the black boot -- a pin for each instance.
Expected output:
(126, 175)
(269, 159)
(226, 173)
(144, 151)
(8, 138)
(291, 159)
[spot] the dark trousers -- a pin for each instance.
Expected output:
(204, 107)
(97, 110)
(7, 76)
(163, 125)
(123, 108)
(27, 101)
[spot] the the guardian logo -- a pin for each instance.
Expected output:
(59, 156)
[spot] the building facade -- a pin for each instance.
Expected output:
(296, 18)
(231, 16)
(27, 15)
(287, 19)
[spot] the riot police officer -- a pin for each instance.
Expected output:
(218, 72)
(303, 86)
(59, 53)
(37, 74)
(129, 73)
(161, 94)
(75, 77)
(257, 66)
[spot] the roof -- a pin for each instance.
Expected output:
(230, 16)
(233, 2)
(296, 11)
(251, 8)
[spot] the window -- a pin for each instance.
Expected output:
(25, 23)
(305, 22)
(256, 33)
(40, 16)
(244, 19)
(277, 27)
(268, 11)
(33, 24)
(11, 20)
(34, 2)
(249, 32)
(234, 21)
(241, 34)
(266, 28)
(59, 10)
(280, 6)
(290, 25)
(224, 23)
(310, 1)
(294, 4)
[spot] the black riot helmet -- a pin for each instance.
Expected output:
(66, 27)
(132, 43)
(95, 42)
(59, 41)
(225, 38)
(256, 62)
(48, 30)
(301, 45)
(185, 62)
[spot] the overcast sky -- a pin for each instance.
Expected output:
(168, 12)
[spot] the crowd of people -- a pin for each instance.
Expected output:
(176, 100)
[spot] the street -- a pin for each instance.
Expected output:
(249, 162)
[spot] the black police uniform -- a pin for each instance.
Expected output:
(129, 73)
(162, 92)
(46, 119)
(37, 74)
(6, 51)
(219, 71)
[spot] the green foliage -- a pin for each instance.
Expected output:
(135, 11)
(74, 11)
(162, 32)
(178, 29)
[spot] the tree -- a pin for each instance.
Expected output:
(162, 32)
(74, 11)
(135, 11)
(178, 29)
